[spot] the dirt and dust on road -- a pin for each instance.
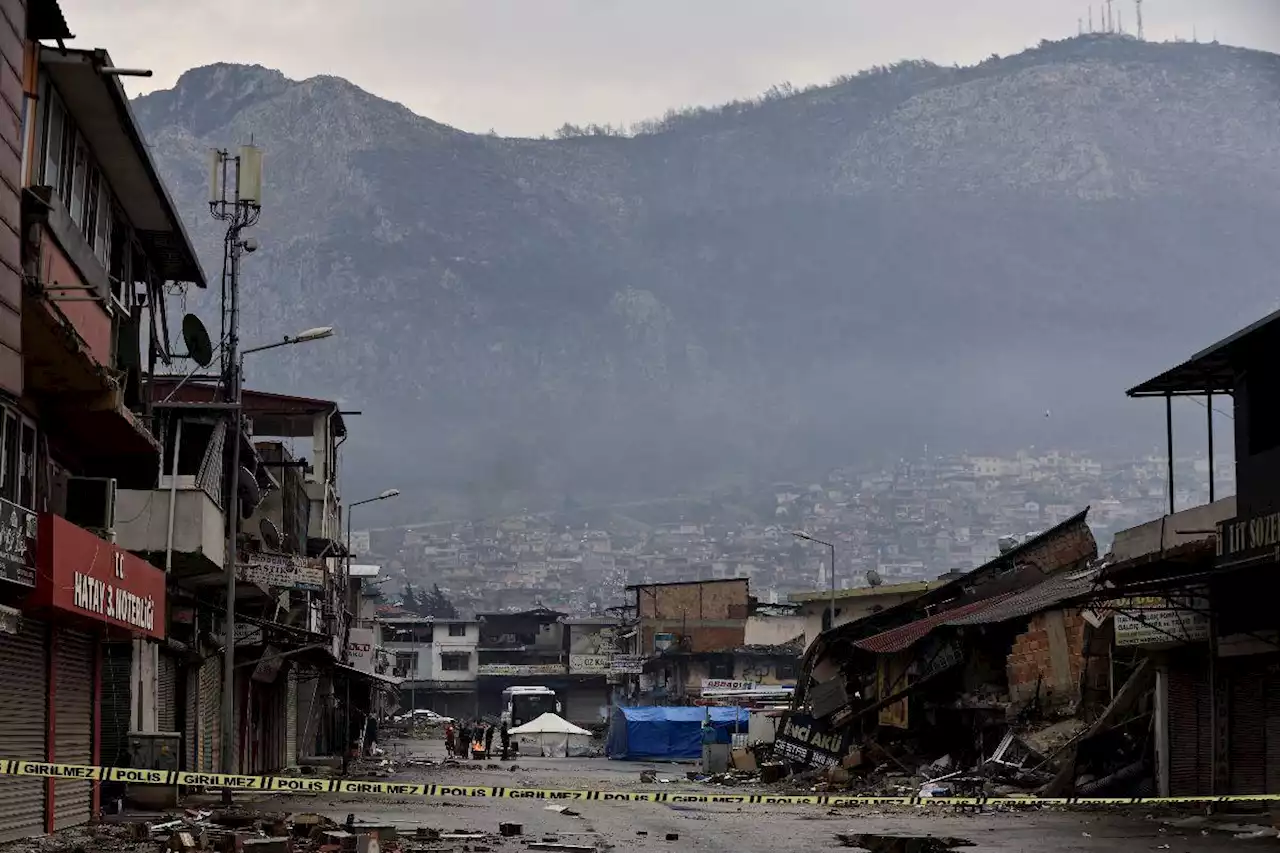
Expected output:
(350, 823)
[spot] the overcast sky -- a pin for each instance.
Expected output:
(527, 66)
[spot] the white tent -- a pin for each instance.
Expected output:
(552, 736)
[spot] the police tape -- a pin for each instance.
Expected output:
(291, 784)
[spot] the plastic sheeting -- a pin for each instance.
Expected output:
(672, 734)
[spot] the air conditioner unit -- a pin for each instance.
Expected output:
(91, 504)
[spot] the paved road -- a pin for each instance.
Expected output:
(743, 829)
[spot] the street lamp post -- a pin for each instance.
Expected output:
(228, 710)
(800, 534)
(346, 594)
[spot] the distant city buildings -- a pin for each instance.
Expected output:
(905, 524)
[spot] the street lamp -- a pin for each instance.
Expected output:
(800, 534)
(228, 710)
(346, 595)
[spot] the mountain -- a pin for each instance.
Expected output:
(979, 257)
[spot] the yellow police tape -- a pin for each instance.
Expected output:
(13, 767)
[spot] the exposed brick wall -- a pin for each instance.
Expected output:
(702, 638)
(1050, 652)
(1071, 546)
(710, 600)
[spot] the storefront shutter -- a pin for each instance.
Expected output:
(73, 723)
(23, 727)
(291, 720)
(117, 690)
(166, 690)
(190, 719)
(210, 708)
(1190, 736)
(1254, 731)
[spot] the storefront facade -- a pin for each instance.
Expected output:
(85, 595)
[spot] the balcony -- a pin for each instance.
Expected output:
(199, 530)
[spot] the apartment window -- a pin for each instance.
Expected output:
(455, 662)
(54, 128)
(720, 668)
(79, 180)
(457, 630)
(69, 168)
(18, 463)
(407, 662)
(89, 226)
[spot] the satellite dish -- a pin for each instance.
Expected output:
(196, 337)
(270, 534)
(249, 492)
(873, 578)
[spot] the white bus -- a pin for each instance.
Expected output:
(521, 705)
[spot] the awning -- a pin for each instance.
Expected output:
(903, 637)
(376, 677)
(1214, 370)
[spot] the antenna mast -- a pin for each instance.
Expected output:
(1110, 19)
(1090, 19)
(1138, 5)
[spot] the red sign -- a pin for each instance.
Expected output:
(84, 576)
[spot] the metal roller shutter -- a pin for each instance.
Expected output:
(1247, 734)
(117, 688)
(73, 654)
(291, 720)
(190, 725)
(166, 690)
(210, 706)
(1190, 735)
(24, 674)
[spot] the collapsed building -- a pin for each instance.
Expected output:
(954, 671)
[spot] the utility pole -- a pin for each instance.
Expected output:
(1110, 19)
(1138, 5)
(242, 176)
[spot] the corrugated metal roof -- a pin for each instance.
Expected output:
(897, 639)
(1040, 597)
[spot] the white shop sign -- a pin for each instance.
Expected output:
(282, 571)
(589, 664)
(712, 686)
(1157, 620)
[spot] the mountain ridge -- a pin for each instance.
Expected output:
(914, 254)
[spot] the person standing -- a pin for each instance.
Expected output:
(488, 740)
(449, 734)
(505, 735)
(464, 740)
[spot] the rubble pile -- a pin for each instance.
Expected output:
(250, 830)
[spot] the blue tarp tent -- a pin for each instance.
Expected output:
(667, 734)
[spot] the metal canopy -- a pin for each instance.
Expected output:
(1213, 370)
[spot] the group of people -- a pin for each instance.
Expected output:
(474, 739)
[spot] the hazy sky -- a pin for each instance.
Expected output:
(527, 66)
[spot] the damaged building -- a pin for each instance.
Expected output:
(954, 671)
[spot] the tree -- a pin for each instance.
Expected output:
(433, 603)
(437, 604)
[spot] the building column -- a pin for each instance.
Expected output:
(144, 710)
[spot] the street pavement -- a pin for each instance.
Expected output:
(626, 826)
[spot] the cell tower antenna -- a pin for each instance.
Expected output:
(1138, 5)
